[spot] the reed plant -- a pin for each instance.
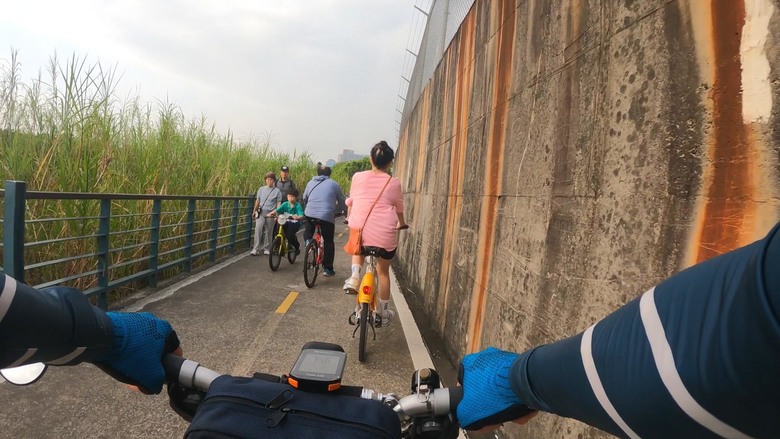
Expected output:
(67, 130)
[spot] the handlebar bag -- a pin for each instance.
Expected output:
(239, 407)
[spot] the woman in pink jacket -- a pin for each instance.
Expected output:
(380, 228)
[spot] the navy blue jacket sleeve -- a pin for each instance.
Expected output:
(55, 326)
(696, 356)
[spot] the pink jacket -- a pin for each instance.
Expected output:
(379, 230)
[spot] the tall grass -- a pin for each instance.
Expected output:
(67, 131)
(70, 132)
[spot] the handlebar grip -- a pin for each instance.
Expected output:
(187, 372)
(172, 366)
(456, 394)
(350, 391)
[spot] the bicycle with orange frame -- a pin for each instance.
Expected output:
(312, 256)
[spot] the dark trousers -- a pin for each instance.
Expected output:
(290, 230)
(328, 230)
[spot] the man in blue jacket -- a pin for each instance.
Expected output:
(323, 198)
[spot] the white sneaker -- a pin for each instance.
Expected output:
(384, 319)
(351, 284)
(266, 252)
(253, 253)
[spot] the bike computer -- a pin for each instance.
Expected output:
(319, 368)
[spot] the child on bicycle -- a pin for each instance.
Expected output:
(291, 227)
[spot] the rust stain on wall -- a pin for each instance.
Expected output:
(728, 213)
(423, 145)
(403, 140)
(462, 94)
(493, 168)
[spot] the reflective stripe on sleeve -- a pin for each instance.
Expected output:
(7, 296)
(664, 362)
(597, 386)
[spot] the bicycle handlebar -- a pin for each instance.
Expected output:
(188, 373)
(436, 402)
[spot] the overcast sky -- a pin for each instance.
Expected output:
(319, 75)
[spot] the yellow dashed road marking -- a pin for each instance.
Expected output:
(287, 302)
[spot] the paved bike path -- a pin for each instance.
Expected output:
(231, 319)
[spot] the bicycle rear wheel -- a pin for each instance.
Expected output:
(310, 266)
(363, 332)
(275, 258)
(291, 254)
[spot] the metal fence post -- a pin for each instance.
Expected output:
(188, 238)
(103, 251)
(251, 221)
(154, 241)
(234, 227)
(215, 230)
(13, 229)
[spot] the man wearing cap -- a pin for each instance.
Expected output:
(268, 198)
(285, 183)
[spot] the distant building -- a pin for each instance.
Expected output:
(330, 163)
(348, 155)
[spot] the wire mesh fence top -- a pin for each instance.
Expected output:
(443, 20)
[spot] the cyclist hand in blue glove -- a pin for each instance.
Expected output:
(140, 340)
(488, 398)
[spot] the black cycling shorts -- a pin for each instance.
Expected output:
(382, 253)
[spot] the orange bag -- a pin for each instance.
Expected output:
(355, 241)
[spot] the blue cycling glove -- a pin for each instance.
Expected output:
(140, 340)
(488, 398)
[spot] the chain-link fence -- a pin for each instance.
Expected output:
(442, 21)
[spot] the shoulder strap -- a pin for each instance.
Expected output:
(377, 199)
(312, 190)
(260, 206)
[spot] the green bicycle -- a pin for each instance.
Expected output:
(280, 246)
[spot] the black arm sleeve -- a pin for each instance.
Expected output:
(55, 325)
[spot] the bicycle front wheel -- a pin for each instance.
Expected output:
(363, 332)
(291, 253)
(310, 266)
(275, 258)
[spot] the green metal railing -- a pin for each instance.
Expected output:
(101, 242)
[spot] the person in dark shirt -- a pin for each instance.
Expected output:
(285, 183)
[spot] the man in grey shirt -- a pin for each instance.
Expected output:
(268, 198)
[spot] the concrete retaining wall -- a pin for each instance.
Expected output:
(569, 154)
